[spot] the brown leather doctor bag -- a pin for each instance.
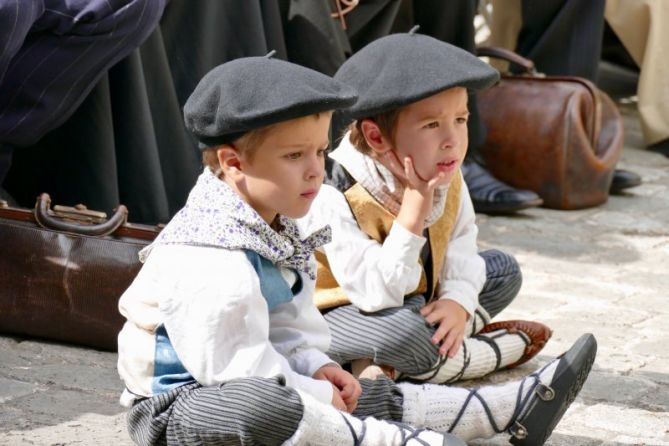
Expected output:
(62, 271)
(559, 136)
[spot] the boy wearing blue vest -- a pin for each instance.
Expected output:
(223, 344)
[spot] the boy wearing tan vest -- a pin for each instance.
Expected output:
(402, 281)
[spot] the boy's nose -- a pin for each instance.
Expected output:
(315, 169)
(449, 140)
(448, 143)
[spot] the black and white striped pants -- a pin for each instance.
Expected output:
(400, 337)
(247, 411)
(53, 52)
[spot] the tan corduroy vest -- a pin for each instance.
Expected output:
(376, 222)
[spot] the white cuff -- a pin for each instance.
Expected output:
(319, 389)
(307, 361)
(405, 243)
(461, 298)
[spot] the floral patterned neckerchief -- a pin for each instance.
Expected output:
(214, 215)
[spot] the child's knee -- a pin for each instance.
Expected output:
(501, 264)
(280, 398)
(245, 408)
(414, 348)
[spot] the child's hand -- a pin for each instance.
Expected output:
(337, 401)
(418, 193)
(346, 387)
(406, 173)
(452, 318)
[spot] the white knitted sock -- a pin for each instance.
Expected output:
(511, 345)
(438, 407)
(323, 425)
(476, 323)
(477, 358)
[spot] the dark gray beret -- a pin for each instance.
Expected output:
(399, 69)
(249, 93)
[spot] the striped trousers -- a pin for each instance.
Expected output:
(400, 337)
(246, 411)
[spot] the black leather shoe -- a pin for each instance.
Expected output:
(623, 179)
(547, 402)
(491, 196)
(661, 147)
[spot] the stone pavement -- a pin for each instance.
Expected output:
(603, 270)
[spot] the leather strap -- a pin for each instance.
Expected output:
(507, 55)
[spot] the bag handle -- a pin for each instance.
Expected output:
(507, 55)
(47, 221)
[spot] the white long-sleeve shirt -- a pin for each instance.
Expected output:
(376, 275)
(210, 303)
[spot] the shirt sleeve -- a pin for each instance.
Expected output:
(219, 324)
(299, 332)
(463, 272)
(373, 275)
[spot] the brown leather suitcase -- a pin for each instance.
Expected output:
(559, 136)
(62, 271)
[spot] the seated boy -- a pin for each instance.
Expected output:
(223, 344)
(404, 234)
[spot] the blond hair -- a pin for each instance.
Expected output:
(246, 144)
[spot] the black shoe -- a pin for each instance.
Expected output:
(661, 147)
(623, 179)
(547, 403)
(491, 196)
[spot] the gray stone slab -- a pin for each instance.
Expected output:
(11, 389)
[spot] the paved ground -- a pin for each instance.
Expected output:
(603, 270)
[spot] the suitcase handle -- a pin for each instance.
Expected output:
(507, 55)
(45, 220)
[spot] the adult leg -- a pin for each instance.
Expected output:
(401, 338)
(68, 49)
(16, 20)
(503, 281)
(650, 52)
(553, 35)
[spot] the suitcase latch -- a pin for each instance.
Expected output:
(79, 213)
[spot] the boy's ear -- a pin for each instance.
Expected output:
(229, 161)
(374, 137)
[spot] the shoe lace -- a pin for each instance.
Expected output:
(407, 432)
(443, 359)
(521, 407)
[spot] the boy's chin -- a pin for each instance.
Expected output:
(297, 214)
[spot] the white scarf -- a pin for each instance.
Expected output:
(214, 215)
(380, 182)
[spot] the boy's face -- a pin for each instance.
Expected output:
(433, 132)
(286, 170)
